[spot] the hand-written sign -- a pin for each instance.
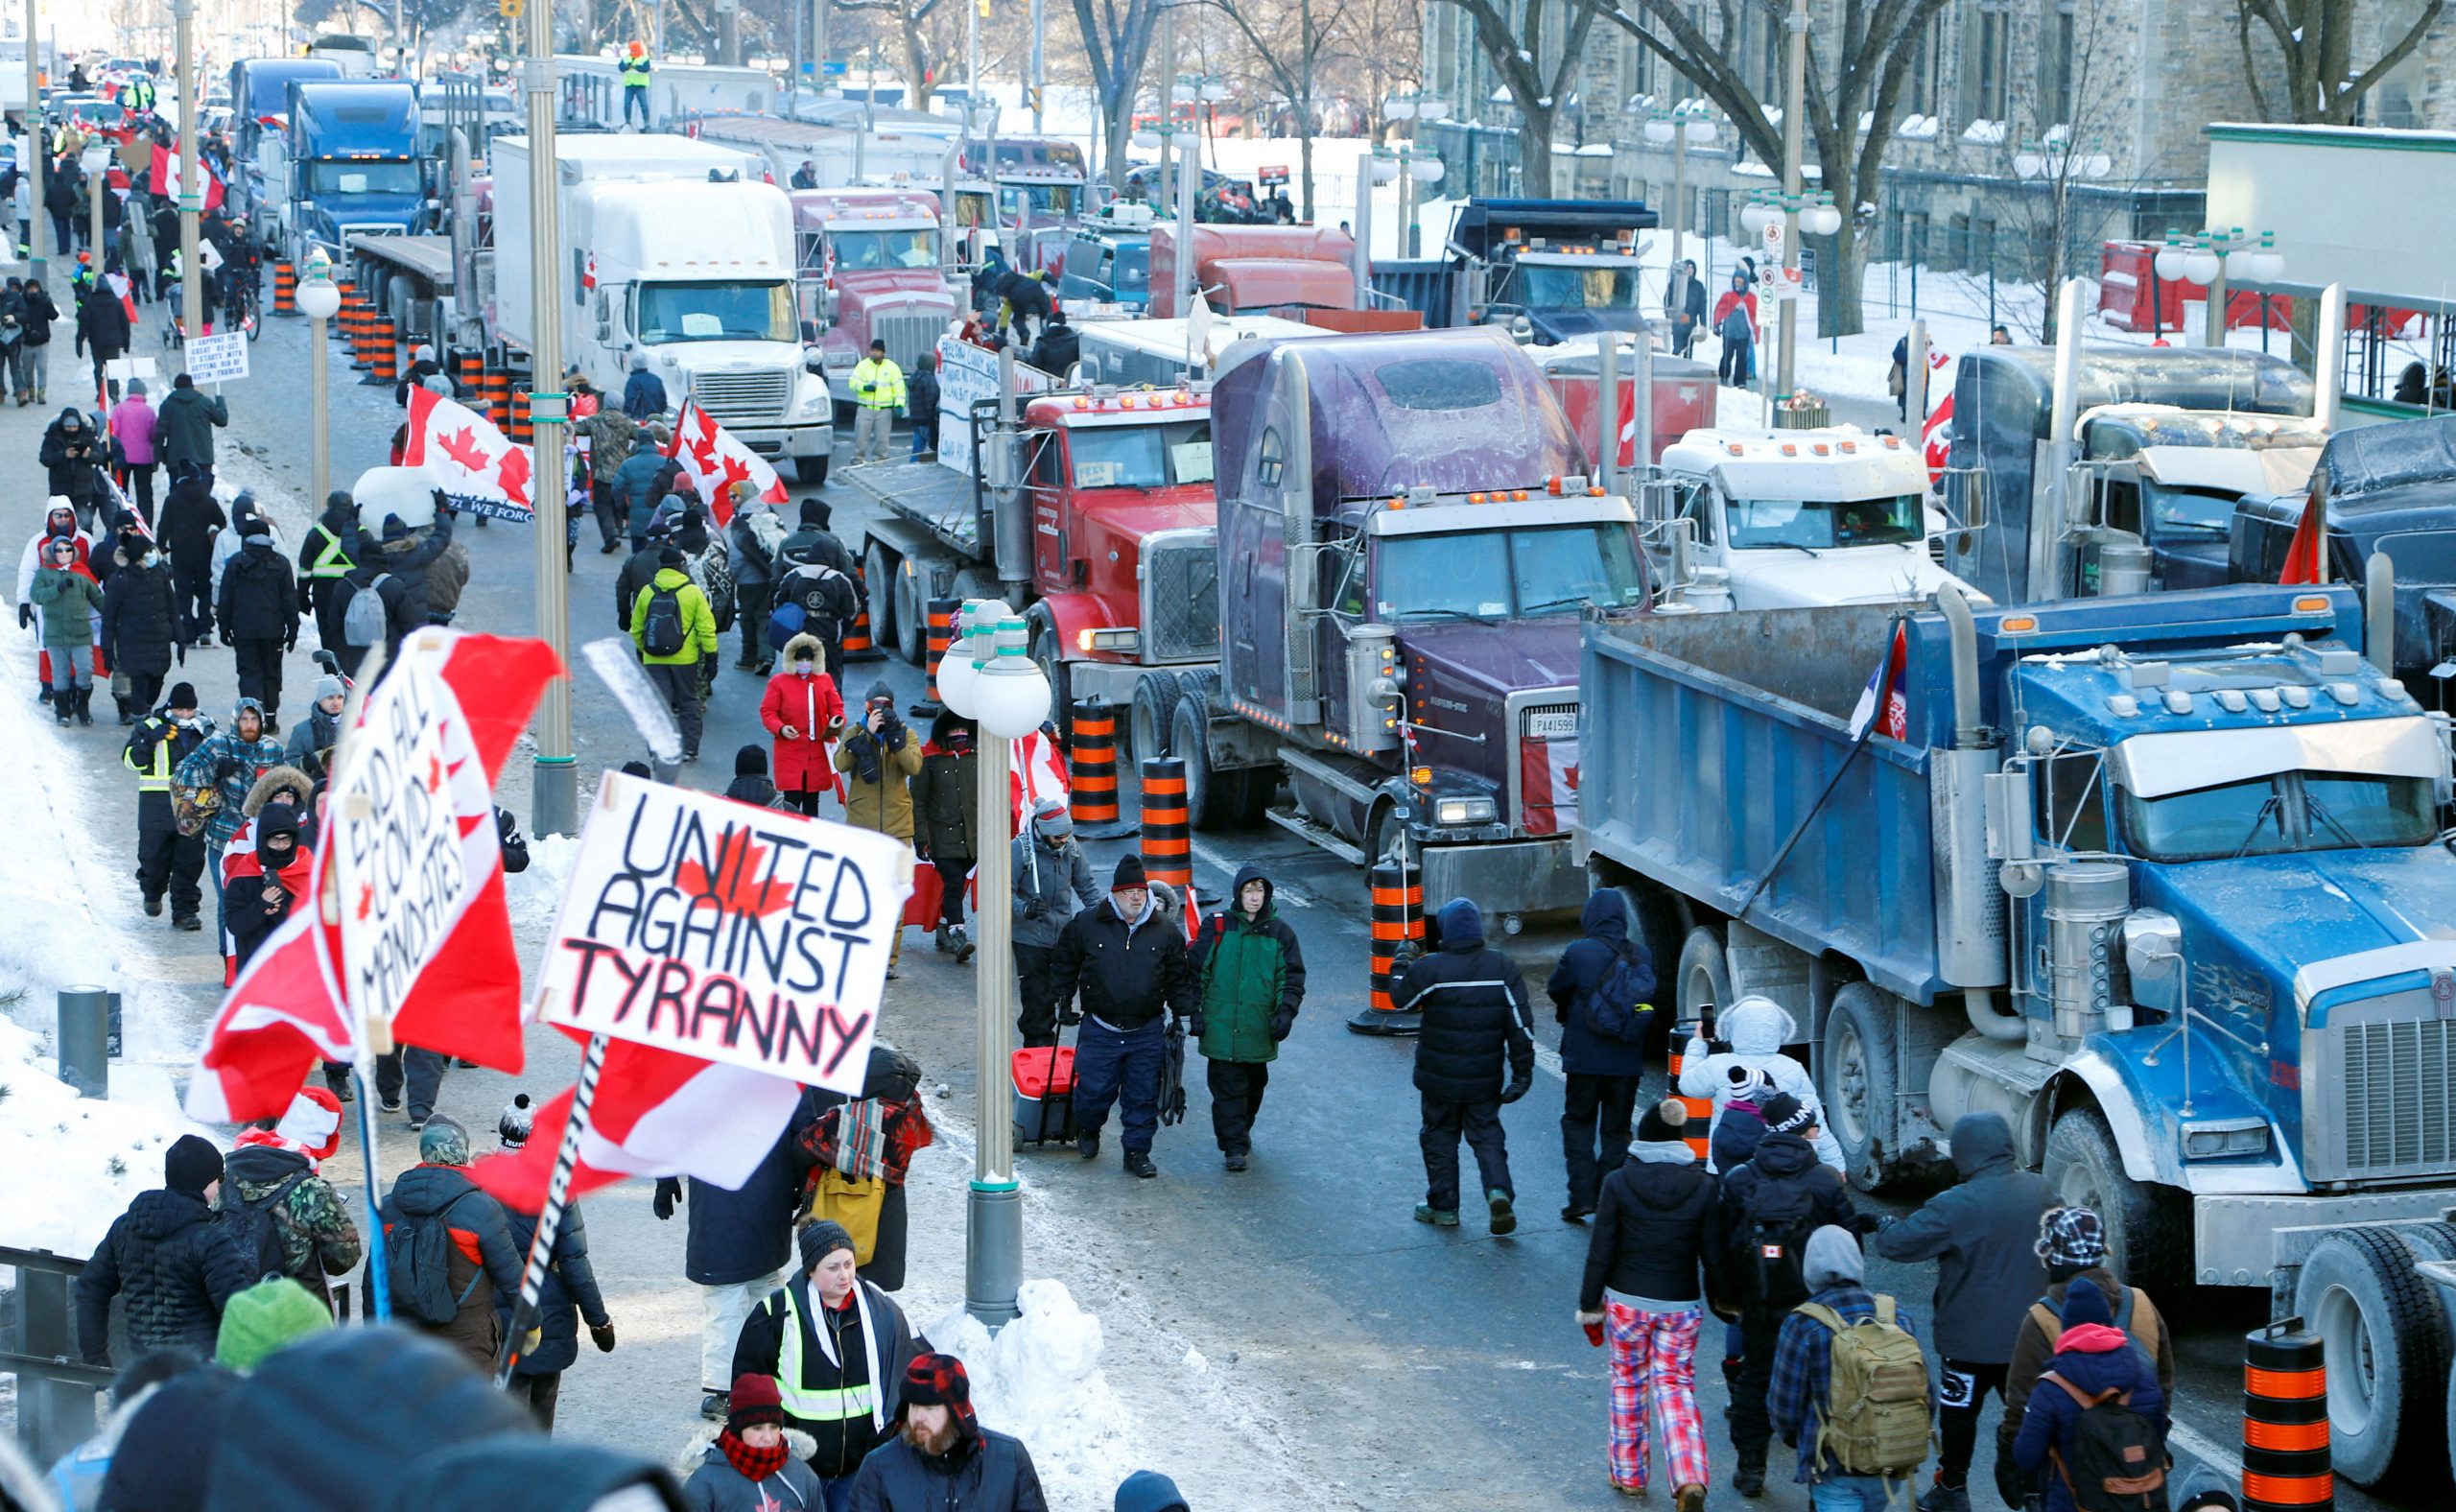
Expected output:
(408, 798)
(710, 927)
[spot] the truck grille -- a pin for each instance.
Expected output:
(2396, 1082)
(758, 397)
(1181, 596)
(907, 334)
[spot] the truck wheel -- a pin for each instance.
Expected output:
(1382, 828)
(1705, 975)
(1152, 715)
(811, 470)
(911, 616)
(1052, 666)
(1855, 1074)
(878, 581)
(1261, 792)
(2385, 1340)
(1653, 926)
(400, 297)
(2148, 1229)
(1212, 797)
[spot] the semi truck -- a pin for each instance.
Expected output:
(1568, 268)
(350, 165)
(2155, 878)
(870, 264)
(676, 251)
(259, 105)
(1264, 270)
(1680, 398)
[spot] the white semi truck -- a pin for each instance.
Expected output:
(676, 251)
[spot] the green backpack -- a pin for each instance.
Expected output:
(1876, 1415)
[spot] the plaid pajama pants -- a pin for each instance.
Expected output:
(1654, 1372)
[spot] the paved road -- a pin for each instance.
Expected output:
(1349, 1357)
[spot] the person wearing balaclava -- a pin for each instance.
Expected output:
(254, 905)
(172, 1266)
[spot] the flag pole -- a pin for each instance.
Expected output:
(377, 1283)
(550, 1219)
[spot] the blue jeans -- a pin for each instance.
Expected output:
(1108, 1064)
(835, 1494)
(925, 438)
(1848, 1493)
(635, 95)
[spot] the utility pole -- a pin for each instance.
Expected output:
(818, 47)
(37, 151)
(1167, 109)
(191, 171)
(554, 790)
(1793, 108)
(730, 33)
(1040, 79)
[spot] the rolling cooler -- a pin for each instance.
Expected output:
(1042, 1079)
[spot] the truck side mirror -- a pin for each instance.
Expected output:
(2153, 951)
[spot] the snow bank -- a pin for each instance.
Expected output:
(74, 1163)
(533, 895)
(1040, 1380)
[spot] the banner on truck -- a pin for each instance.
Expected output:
(968, 374)
(746, 937)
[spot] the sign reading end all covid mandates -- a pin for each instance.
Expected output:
(735, 934)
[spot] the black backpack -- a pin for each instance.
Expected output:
(2118, 1459)
(1780, 1216)
(1614, 1010)
(661, 628)
(418, 1255)
(253, 1230)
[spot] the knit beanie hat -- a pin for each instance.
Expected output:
(1785, 1114)
(938, 1381)
(753, 1401)
(443, 1143)
(191, 1165)
(2072, 1237)
(329, 686)
(1662, 1124)
(821, 1239)
(264, 1318)
(637, 768)
(1746, 1083)
(1051, 820)
(1129, 872)
(182, 697)
(512, 1130)
(751, 761)
(2085, 1303)
(671, 556)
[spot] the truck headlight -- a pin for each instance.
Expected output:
(1451, 813)
(812, 397)
(1123, 641)
(2218, 1138)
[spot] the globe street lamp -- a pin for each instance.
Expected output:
(1679, 127)
(2218, 255)
(318, 300)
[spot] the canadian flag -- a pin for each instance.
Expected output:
(290, 1006)
(476, 465)
(166, 177)
(1936, 438)
(1038, 771)
(717, 459)
(656, 1113)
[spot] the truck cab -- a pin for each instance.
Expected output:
(1040, 179)
(872, 259)
(1786, 519)
(1568, 268)
(1306, 272)
(2172, 478)
(1107, 260)
(351, 162)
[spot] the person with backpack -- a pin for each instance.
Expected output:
(293, 1219)
(326, 558)
(754, 537)
(805, 714)
(674, 628)
(1756, 1029)
(813, 598)
(1248, 984)
(448, 1250)
(1850, 1384)
(2095, 1430)
(172, 1266)
(1770, 1207)
(2072, 1244)
(1654, 1232)
(1981, 1233)
(1601, 994)
(374, 611)
(1476, 1026)
(638, 571)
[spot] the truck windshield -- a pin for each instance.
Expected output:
(2291, 811)
(1141, 455)
(1578, 288)
(866, 251)
(1130, 269)
(1039, 199)
(2187, 511)
(2421, 556)
(715, 312)
(1504, 574)
(1815, 524)
(364, 177)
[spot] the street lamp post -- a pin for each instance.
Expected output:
(985, 676)
(191, 170)
(554, 795)
(2213, 257)
(35, 228)
(1793, 110)
(318, 300)
(1679, 127)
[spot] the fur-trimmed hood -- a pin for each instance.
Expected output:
(792, 647)
(273, 781)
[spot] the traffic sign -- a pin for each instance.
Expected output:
(835, 68)
(221, 358)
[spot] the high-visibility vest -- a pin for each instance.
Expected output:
(155, 778)
(890, 379)
(809, 1403)
(332, 562)
(634, 71)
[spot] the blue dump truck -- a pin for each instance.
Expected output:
(351, 165)
(2158, 879)
(1568, 268)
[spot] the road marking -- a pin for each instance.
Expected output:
(2208, 1451)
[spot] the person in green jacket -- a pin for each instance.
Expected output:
(673, 639)
(1249, 981)
(68, 602)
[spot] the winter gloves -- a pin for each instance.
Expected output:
(1282, 1024)
(669, 1197)
(1519, 1086)
(604, 1334)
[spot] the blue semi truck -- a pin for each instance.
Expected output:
(350, 165)
(2159, 879)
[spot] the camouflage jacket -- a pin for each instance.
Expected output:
(318, 1238)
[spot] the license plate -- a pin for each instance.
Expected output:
(1554, 725)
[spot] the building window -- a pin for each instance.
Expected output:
(1983, 62)
(2056, 46)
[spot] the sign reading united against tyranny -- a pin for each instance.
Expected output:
(734, 934)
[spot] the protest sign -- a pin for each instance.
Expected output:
(217, 358)
(742, 935)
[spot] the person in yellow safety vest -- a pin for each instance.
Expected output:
(166, 860)
(634, 69)
(839, 1348)
(136, 96)
(325, 562)
(878, 392)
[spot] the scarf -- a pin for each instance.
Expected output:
(754, 1465)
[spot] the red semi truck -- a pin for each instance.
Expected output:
(1302, 272)
(869, 267)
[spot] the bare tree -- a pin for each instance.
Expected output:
(908, 19)
(2315, 39)
(1854, 77)
(1381, 54)
(1287, 38)
(1517, 51)
(1116, 36)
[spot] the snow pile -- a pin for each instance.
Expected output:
(1039, 1379)
(74, 1163)
(533, 895)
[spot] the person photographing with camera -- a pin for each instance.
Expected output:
(879, 759)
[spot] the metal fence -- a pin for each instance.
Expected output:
(55, 1390)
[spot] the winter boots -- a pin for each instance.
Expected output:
(1942, 1497)
(1138, 1163)
(1504, 1214)
(1749, 1479)
(1438, 1217)
(952, 938)
(78, 702)
(85, 705)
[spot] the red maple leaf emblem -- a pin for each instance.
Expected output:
(434, 773)
(740, 885)
(513, 472)
(463, 447)
(703, 452)
(366, 900)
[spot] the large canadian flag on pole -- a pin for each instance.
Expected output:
(715, 459)
(405, 920)
(166, 177)
(474, 465)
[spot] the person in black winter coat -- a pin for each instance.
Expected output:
(166, 860)
(325, 555)
(1603, 1069)
(102, 325)
(259, 609)
(255, 904)
(1129, 964)
(639, 570)
(191, 518)
(72, 452)
(941, 1456)
(140, 620)
(1059, 349)
(738, 1242)
(1654, 1233)
(39, 314)
(921, 404)
(1982, 1232)
(401, 615)
(1769, 1208)
(167, 1260)
(1476, 1017)
(568, 1296)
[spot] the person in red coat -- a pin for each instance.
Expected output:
(805, 714)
